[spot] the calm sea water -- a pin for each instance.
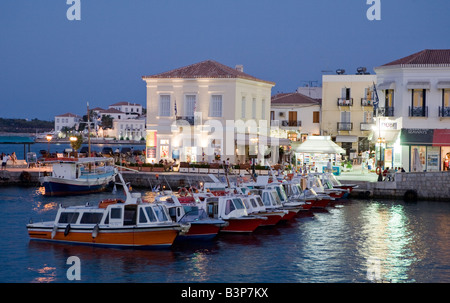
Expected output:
(356, 241)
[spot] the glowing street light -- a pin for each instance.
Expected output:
(49, 138)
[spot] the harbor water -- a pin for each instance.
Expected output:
(353, 241)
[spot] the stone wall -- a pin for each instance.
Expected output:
(411, 186)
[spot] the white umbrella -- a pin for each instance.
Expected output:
(320, 145)
(417, 164)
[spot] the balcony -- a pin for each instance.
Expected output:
(366, 126)
(345, 126)
(420, 111)
(188, 119)
(444, 111)
(366, 102)
(345, 102)
(291, 123)
(385, 111)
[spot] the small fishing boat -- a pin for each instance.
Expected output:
(189, 210)
(231, 209)
(75, 176)
(113, 222)
(255, 206)
(331, 179)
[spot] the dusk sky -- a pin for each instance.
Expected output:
(50, 65)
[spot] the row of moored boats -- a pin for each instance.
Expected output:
(217, 207)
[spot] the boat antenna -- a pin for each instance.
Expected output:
(89, 130)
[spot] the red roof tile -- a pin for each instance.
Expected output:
(425, 57)
(206, 69)
(69, 115)
(294, 98)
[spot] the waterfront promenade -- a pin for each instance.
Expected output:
(406, 186)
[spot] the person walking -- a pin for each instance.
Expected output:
(5, 161)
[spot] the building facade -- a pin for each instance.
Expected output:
(347, 110)
(208, 112)
(414, 94)
(67, 120)
(295, 116)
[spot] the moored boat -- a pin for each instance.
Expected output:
(189, 210)
(231, 209)
(113, 222)
(75, 176)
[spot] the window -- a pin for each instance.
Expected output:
(316, 117)
(68, 217)
(254, 108)
(190, 105)
(229, 206)
(142, 218)
(164, 105)
(91, 218)
(418, 103)
(446, 97)
(150, 214)
(116, 213)
(215, 107)
(243, 106)
(263, 109)
(159, 211)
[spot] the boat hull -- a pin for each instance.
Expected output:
(242, 225)
(272, 218)
(68, 187)
(121, 237)
(200, 231)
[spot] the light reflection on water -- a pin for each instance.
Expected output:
(399, 242)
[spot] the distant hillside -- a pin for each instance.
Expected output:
(24, 126)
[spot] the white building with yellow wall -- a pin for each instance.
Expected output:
(208, 112)
(347, 110)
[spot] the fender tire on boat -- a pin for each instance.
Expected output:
(67, 230)
(54, 230)
(95, 231)
(410, 195)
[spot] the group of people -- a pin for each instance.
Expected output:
(6, 157)
(389, 173)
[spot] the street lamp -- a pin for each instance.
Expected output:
(73, 142)
(49, 138)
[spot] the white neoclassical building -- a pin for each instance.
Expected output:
(414, 111)
(208, 112)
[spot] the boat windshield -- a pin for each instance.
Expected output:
(160, 213)
(193, 215)
(238, 203)
(266, 199)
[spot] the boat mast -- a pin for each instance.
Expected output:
(89, 130)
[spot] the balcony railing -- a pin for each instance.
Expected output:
(385, 111)
(291, 123)
(346, 126)
(366, 126)
(421, 111)
(444, 111)
(188, 119)
(345, 102)
(366, 102)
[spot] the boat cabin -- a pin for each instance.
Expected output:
(225, 207)
(114, 215)
(253, 203)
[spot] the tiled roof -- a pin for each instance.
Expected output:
(124, 103)
(111, 111)
(69, 115)
(294, 98)
(425, 57)
(206, 69)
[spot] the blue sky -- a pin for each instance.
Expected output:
(50, 65)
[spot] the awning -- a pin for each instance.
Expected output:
(346, 139)
(418, 85)
(431, 137)
(386, 85)
(389, 136)
(441, 137)
(443, 84)
(252, 139)
(319, 145)
(416, 136)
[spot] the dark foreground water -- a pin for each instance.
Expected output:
(356, 241)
